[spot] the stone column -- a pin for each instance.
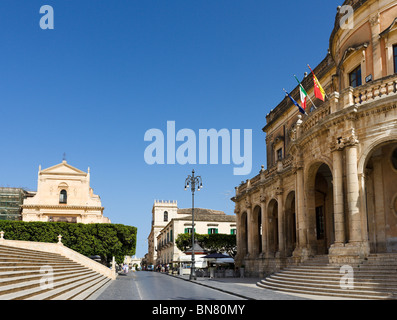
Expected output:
(250, 246)
(353, 194)
(239, 239)
(374, 21)
(339, 215)
(281, 223)
(265, 226)
(300, 213)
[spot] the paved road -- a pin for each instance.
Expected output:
(156, 286)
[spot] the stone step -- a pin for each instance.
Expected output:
(350, 294)
(30, 259)
(30, 289)
(66, 290)
(36, 263)
(59, 279)
(327, 285)
(35, 268)
(27, 251)
(362, 278)
(17, 253)
(21, 274)
(374, 278)
(83, 292)
(312, 281)
(18, 279)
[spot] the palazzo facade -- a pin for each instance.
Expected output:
(330, 186)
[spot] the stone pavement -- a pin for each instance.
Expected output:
(244, 288)
(124, 288)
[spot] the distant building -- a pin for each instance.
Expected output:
(168, 222)
(162, 213)
(11, 200)
(64, 194)
(206, 222)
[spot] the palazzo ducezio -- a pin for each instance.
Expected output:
(330, 187)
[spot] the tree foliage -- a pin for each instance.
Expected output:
(105, 240)
(210, 242)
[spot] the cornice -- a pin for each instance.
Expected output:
(60, 207)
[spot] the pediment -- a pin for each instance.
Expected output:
(63, 168)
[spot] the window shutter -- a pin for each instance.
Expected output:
(216, 231)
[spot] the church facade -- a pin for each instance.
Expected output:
(64, 195)
(330, 186)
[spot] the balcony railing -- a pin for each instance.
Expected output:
(375, 90)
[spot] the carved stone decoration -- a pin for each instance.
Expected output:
(248, 203)
(375, 19)
(262, 198)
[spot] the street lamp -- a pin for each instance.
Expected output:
(191, 181)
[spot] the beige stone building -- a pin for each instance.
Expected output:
(330, 186)
(168, 221)
(64, 194)
(206, 221)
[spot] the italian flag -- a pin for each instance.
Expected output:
(303, 94)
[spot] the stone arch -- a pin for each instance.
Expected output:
(379, 193)
(290, 219)
(272, 214)
(319, 206)
(365, 154)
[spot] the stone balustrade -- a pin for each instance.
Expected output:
(375, 90)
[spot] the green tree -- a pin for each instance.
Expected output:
(210, 242)
(106, 240)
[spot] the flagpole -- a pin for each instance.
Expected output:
(306, 92)
(301, 107)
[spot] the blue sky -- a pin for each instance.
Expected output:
(113, 69)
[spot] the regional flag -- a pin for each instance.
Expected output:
(303, 94)
(301, 110)
(318, 89)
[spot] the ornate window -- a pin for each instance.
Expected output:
(165, 216)
(63, 196)
(355, 79)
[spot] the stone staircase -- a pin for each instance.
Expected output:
(28, 275)
(374, 278)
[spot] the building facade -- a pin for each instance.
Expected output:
(205, 222)
(168, 221)
(330, 183)
(64, 194)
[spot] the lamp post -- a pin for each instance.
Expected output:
(191, 181)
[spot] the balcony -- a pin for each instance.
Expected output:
(375, 90)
